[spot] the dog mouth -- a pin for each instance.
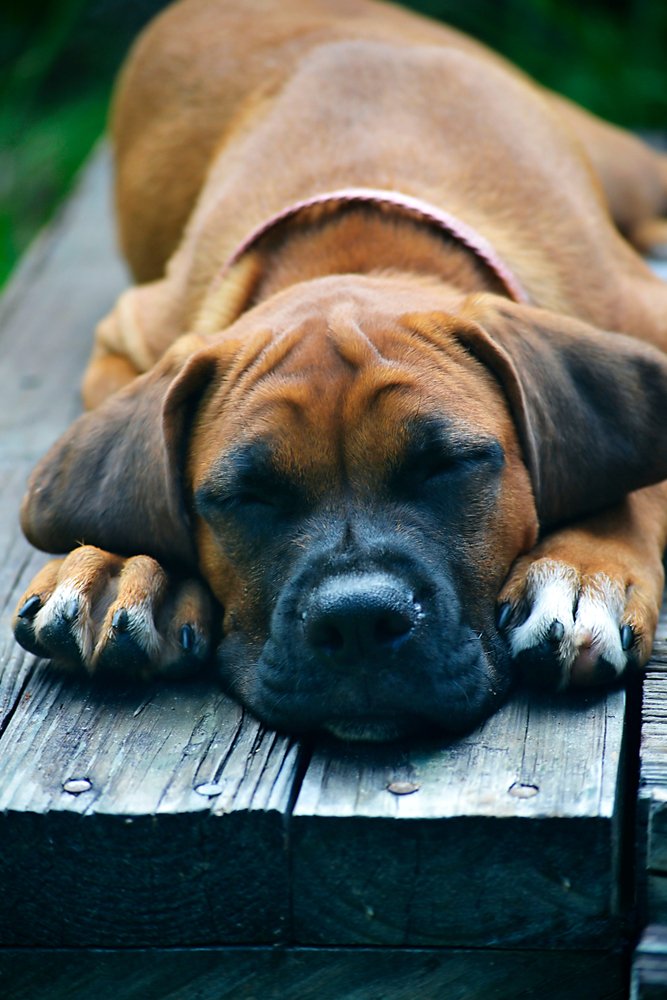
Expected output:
(371, 656)
(371, 729)
(393, 703)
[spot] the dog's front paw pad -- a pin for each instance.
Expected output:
(565, 628)
(113, 616)
(55, 617)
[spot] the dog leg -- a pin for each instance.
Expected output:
(583, 606)
(111, 615)
(633, 176)
(143, 324)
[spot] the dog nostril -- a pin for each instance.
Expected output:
(326, 637)
(349, 618)
(391, 627)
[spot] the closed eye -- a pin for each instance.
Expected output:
(432, 466)
(435, 454)
(244, 498)
(211, 502)
(245, 484)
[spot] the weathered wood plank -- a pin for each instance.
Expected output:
(653, 758)
(649, 968)
(370, 867)
(65, 284)
(18, 563)
(509, 837)
(62, 287)
(140, 856)
(320, 974)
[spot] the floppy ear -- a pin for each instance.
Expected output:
(114, 479)
(590, 406)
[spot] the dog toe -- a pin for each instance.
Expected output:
(128, 643)
(567, 628)
(186, 623)
(115, 617)
(53, 619)
(24, 624)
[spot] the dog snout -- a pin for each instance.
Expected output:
(350, 619)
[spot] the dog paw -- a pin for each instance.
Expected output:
(566, 627)
(650, 238)
(109, 615)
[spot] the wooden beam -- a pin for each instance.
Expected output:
(652, 809)
(144, 816)
(649, 969)
(140, 857)
(63, 286)
(320, 974)
(507, 837)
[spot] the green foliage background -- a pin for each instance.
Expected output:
(58, 59)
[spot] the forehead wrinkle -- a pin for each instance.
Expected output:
(350, 342)
(291, 394)
(387, 381)
(364, 413)
(299, 418)
(271, 354)
(436, 333)
(246, 357)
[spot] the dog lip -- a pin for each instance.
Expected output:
(369, 729)
(424, 691)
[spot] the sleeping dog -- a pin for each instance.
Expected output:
(381, 422)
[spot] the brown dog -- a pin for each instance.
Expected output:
(383, 421)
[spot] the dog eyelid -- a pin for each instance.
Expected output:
(433, 451)
(237, 488)
(429, 461)
(211, 500)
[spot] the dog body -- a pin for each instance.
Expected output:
(366, 389)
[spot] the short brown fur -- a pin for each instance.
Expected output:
(343, 326)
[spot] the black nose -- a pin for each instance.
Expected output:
(352, 617)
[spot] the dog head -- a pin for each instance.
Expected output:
(353, 467)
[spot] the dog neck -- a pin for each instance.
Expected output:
(355, 231)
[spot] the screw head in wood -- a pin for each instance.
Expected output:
(402, 787)
(77, 785)
(523, 791)
(209, 788)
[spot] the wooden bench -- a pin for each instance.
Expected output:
(649, 977)
(155, 841)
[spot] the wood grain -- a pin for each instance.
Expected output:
(140, 856)
(63, 286)
(649, 968)
(311, 974)
(509, 837)
(653, 753)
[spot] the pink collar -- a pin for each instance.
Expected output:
(413, 206)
